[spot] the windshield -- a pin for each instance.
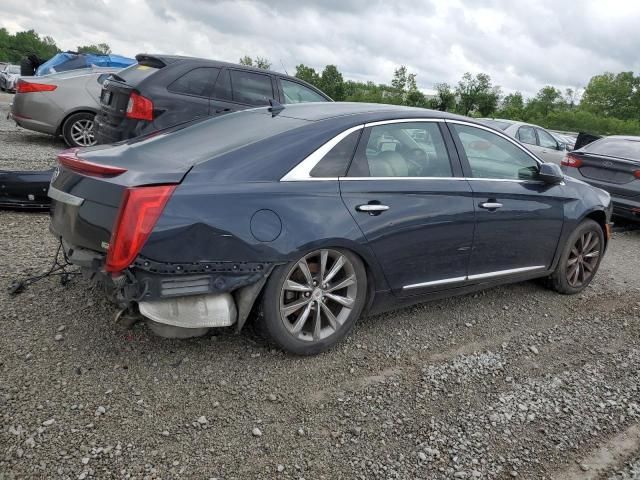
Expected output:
(616, 147)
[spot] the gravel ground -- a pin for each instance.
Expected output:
(515, 381)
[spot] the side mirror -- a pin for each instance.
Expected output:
(562, 147)
(102, 77)
(550, 173)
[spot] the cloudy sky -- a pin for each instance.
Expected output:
(523, 45)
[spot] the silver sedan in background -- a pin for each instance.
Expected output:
(535, 138)
(62, 103)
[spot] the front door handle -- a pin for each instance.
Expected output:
(223, 110)
(490, 205)
(372, 209)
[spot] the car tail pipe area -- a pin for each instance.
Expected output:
(187, 305)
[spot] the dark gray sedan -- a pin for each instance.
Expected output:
(612, 164)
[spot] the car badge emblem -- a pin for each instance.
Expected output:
(608, 164)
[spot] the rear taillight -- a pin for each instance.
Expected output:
(69, 159)
(141, 207)
(636, 174)
(139, 107)
(30, 87)
(571, 161)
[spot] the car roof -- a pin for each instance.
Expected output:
(317, 111)
(169, 59)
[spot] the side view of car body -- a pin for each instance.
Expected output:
(9, 76)
(61, 104)
(536, 138)
(164, 90)
(613, 164)
(315, 213)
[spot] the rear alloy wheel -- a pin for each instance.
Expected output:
(79, 130)
(311, 304)
(580, 259)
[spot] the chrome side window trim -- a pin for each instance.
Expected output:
(404, 120)
(401, 178)
(64, 197)
(479, 276)
(500, 134)
(302, 171)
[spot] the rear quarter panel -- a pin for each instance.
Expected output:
(217, 222)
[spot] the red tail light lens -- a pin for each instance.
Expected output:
(139, 107)
(141, 207)
(571, 161)
(30, 87)
(69, 159)
(636, 174)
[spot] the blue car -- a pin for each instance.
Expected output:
(305, 217)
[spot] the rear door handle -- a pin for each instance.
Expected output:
(490, 205)
(372, 209)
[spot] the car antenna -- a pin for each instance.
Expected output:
(275, 108)
(283, 67)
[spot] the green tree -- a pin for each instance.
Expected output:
(100, 49)
(613, 95)
(477, 94)
(332, 83)
(308, 74)
(547, 100)
(260, 62)
(445, 98)
(14, 47)
(512, 107)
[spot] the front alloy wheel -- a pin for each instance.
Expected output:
(580, 258)
(319, 297)
(583, 259)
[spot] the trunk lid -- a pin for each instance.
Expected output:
(112, 122)
(616, 175)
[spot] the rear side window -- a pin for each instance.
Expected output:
(136, 73)
(491, 156)
(615, 147)
(251, 88)
(546, 140)
(336, 161)
(527, 135)
(198, 82)
(293, 92)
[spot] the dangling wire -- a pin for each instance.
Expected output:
(58, 268)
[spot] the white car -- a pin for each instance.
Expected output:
(9, 76)
(535, 138)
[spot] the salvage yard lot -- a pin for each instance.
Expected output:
(515, 381)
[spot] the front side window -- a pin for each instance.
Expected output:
(527, 135)
(293, 92)
(251, 88)
(335, 163)
(196, 82)
(412, 149)
(546, 140)
(492, 156)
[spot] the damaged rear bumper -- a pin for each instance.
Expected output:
(25, 190)
(193, 295)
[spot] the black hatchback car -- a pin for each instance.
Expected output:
(163, 90)
(312, 214)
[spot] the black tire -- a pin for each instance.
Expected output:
(561, 278)
(78, 119)
(272, 323)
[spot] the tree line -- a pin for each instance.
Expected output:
(14, 47)
(610, 102)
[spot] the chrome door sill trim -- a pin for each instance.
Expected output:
(478, 276)
(435, 282)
